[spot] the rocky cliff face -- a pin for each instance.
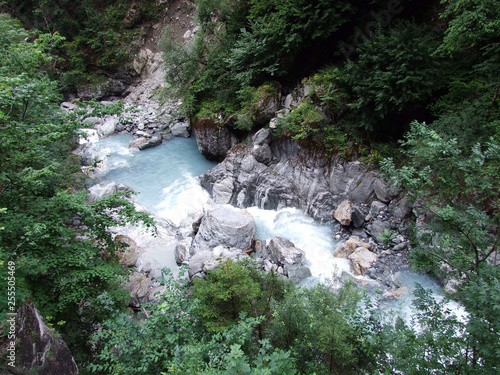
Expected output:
(272, 174)
(38, 349)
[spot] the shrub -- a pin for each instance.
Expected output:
(301, 122)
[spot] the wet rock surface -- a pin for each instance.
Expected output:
(214, 138)
(224, 226)
(38, 349)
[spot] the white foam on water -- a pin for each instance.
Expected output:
(89, 136)
(164, 177)
(185, 195)
(312, 237)
(404, 305)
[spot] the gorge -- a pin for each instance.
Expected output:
(224, 189)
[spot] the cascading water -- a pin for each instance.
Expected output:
(307, 234)
(165, 178)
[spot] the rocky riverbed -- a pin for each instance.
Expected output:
(369, 222)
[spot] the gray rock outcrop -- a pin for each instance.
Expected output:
(105, 189)
(289, 176)
(214, 139)
(38, 349)
(224, 226)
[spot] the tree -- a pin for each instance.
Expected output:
(325, 328)
(457, 237)
(64, 254)
(395, 69)
(277, 33)
(224, 294)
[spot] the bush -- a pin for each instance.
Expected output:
(301, 122)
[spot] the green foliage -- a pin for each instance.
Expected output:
(224, 294)
(254, 58)
(253, 100)
(327, 90)
(435, 340)
(244, 44)
(458, 189)
(145, 346)
(91, 108)
(64, 254)
(473, 24)
(301, 122)
(276, 34)
(321, 328)
(171, 338)
(195, 71)
(97, 36)
(268, 362)
(395, 69)
(387, 237)
(11, 31)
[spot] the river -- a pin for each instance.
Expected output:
(166, 179)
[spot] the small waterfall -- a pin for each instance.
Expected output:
(312, 237)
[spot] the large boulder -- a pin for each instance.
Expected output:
(213, 138)
(138, 142)
(108, 127)
(105, 189)
(180, 129)
(141, 60)
(226, 226)
(297, 272)
(343, 213)
(151, 142)
(138, 285)
(38, 349)
(128, 256)
(361, 260)
(108, 87)
(283, 251)
(378, 229)
(222, 191)
(345, 249)
(266, 107)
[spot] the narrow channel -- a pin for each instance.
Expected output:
(165, 178)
